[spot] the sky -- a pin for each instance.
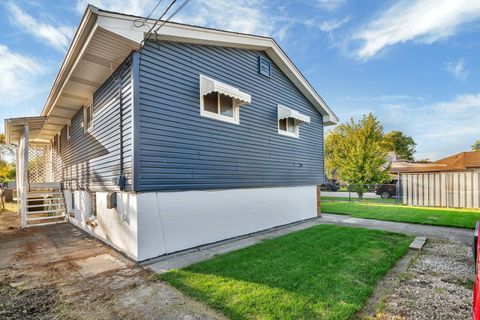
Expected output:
(412, 63)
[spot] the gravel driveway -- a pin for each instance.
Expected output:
(437, 284)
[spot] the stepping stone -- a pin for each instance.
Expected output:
(418, 243)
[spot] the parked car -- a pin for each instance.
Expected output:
(386, 191)
(330, 185)
(476, 286)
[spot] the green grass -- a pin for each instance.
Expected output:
(324, 272)
(461, 218)
(355, 199)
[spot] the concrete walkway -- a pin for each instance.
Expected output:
(183, 259)
(464, 236)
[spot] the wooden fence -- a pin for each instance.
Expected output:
(442, 189)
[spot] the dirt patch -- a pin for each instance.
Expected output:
(436, 284)
(37, 303)
(58, 272)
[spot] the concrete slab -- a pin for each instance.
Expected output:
(418, 243)
(99, 264)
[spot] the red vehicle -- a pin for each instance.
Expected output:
(476, 286)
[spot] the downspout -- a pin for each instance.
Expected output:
(121, 178)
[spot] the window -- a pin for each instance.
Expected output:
(68, 132)
(58, 144)
(88, 117)
(94, 205)
(221, 101)
(288, 126)
(220, 106)
(290, 120)
(264, 66)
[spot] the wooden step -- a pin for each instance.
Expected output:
(45, 223)
(45, 218)
(45, 211)
(40, 199)
(46, 205)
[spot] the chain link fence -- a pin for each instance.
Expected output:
(389, 192)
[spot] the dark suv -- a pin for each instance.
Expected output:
(330, 185)
(386, 190)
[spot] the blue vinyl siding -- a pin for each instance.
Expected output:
(180, 150)
(91, 160)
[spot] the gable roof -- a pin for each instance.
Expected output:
(458, 162)
(104, 39)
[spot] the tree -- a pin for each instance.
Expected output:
(357, 151)
(7, 171)
(5, 149)
(401, 144)
(476, 145)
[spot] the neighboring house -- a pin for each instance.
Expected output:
(198, 136)
(449, 182)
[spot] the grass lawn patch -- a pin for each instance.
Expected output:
(461, 218)
(324, 272)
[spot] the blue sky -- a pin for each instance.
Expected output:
(414, 63)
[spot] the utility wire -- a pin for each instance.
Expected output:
(143, 20)
(173, 14)
(158, 20)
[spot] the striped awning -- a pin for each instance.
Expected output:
(208, 85)
(284, 112)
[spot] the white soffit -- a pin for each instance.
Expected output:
(208, 85)
(284, 112)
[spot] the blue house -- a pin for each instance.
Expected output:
(160, 143)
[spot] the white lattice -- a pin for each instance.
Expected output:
(38, 164)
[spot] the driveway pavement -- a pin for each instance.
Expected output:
(60, 272)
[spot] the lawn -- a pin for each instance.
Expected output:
(461, 218)
(324, 272)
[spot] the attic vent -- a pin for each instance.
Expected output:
(264, 66)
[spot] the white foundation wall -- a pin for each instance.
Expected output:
(174, 221)
(117, 227)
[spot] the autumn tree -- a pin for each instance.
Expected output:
(401, 144)
(356, 150)
(476, 145)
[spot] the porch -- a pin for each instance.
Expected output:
(38, 171)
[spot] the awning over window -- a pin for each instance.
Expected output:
(284, 112)
(208, 85)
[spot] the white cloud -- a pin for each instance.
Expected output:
(19, 73)
(457, 69)
(135, 7)
(330, 25)
(440, 128)
(425, 21)
(247, 16)
(330, 5)
(56, 36)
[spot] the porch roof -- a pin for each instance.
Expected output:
(15, 127)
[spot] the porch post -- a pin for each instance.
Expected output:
(23, 175)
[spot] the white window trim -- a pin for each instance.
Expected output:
(287, 133)
(217, 116)
(90, 107)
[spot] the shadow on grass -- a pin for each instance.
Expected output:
(325, 272)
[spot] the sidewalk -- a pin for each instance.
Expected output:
(183, 259)
(464, 236)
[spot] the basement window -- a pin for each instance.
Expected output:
(221, 101)
(93, 198)
(88, 117)
(290, 120)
